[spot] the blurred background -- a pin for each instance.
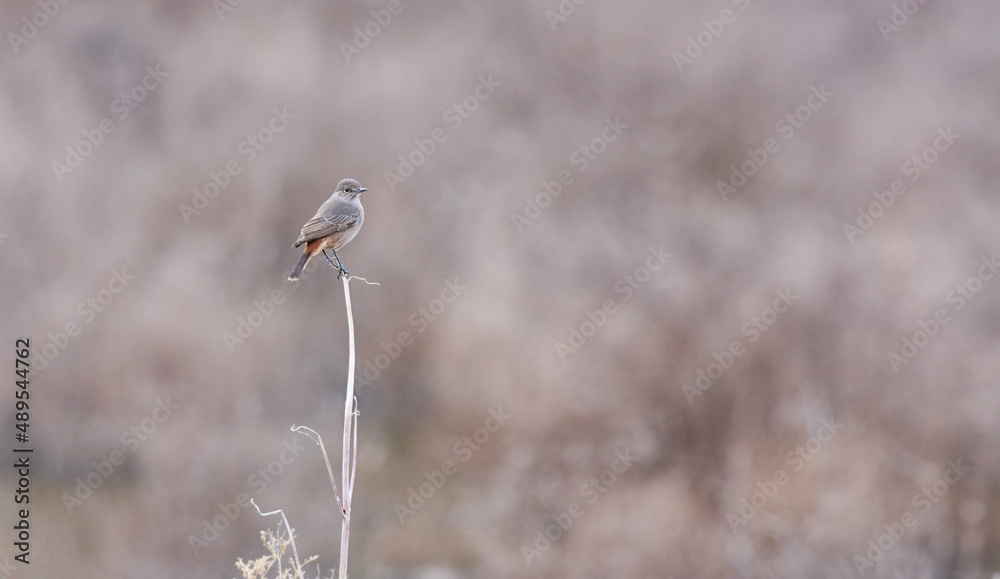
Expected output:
(675, 289)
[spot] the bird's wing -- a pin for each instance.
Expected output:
(321, 226)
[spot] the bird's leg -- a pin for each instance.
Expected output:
(340, 266)
(343, 270)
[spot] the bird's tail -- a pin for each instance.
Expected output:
(298, 268)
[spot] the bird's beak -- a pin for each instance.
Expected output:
(362, 190)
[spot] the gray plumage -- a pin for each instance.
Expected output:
(341, 213)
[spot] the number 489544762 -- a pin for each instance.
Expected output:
(22, 350)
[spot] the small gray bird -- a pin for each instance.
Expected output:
(335, 224)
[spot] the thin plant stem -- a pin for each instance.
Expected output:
(347, 475)
(329, 469)
(291, 536)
